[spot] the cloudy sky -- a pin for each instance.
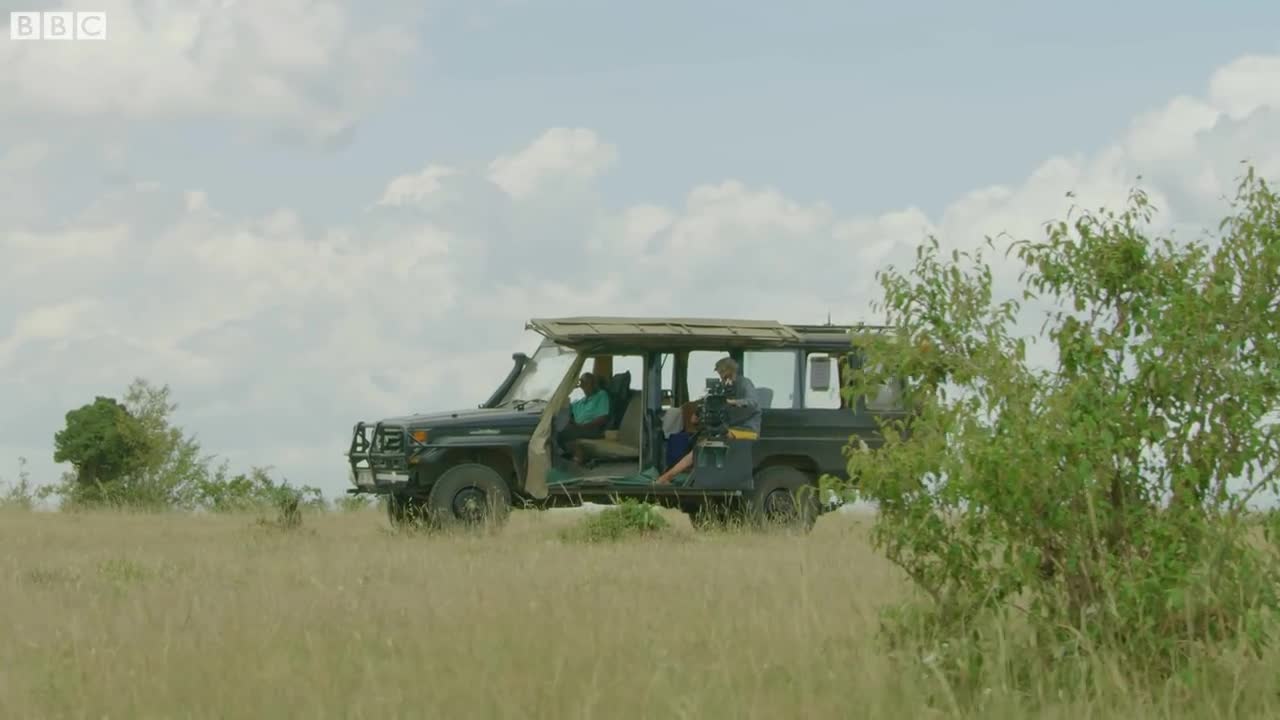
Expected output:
(302, 213)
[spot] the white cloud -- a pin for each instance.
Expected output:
(306, 67)
(50, 322)
(561, 154)
(1245, 85)
(17, 164)
(416, 188)
(278, 333)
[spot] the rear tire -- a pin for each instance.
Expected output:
(469, 496)
(783, 498)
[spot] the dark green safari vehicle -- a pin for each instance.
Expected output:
(466, 466)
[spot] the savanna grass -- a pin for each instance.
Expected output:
(171, 616)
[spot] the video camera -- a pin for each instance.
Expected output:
(715, 408)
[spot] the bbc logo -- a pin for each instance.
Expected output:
(57, 26)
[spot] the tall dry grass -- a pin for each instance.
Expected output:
(120, 616)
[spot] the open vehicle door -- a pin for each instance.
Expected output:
(539, 460)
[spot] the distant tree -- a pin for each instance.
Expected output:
(104, 442)
(129, 453)
(173, 465)
(132, 454)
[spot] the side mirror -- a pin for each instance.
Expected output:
(820, 373)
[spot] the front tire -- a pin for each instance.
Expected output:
(469, 496)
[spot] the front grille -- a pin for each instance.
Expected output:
(389, 439)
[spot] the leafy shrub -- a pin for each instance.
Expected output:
(255, 490)
(20, 495)
(626, 520)
(288, 512)
(352, 503)
(1094, 499)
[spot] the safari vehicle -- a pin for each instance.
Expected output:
(465, 466)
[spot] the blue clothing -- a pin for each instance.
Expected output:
(678, 445)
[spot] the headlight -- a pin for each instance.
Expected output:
(418, 436)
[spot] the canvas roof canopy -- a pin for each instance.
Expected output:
(711, 333)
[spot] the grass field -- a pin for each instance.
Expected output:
(119, 616)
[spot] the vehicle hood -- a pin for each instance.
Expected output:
(479, 417)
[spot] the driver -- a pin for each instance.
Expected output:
(744, 412)
(588, 415)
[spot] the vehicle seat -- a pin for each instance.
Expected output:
(765, 395)
(626, 446)
(619, 389)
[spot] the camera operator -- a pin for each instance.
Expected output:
(744, 404)
(744, 412)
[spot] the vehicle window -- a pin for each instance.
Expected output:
(541, 375)
(888, 398)
(668, 362)
(702, 365)
(775, 371)
(605, 367)
(828, 399)
(633, 364)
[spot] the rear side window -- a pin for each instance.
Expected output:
(828, 399)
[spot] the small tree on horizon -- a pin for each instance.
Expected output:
(104, 443)
(131, 454)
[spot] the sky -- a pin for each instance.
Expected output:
(299, 214)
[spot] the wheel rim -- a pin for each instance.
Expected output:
(780, 506)
(469, 504)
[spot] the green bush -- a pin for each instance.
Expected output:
(628, 519)
(288, 503)
(1091, 501)
(352, 503)
(220, 491)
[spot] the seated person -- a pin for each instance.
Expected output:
(680, 439)
(744, 413)
(588, 415)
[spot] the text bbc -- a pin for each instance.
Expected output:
(57, 26)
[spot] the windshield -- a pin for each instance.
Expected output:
(541, 375)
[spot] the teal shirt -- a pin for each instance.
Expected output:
(591, 407)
